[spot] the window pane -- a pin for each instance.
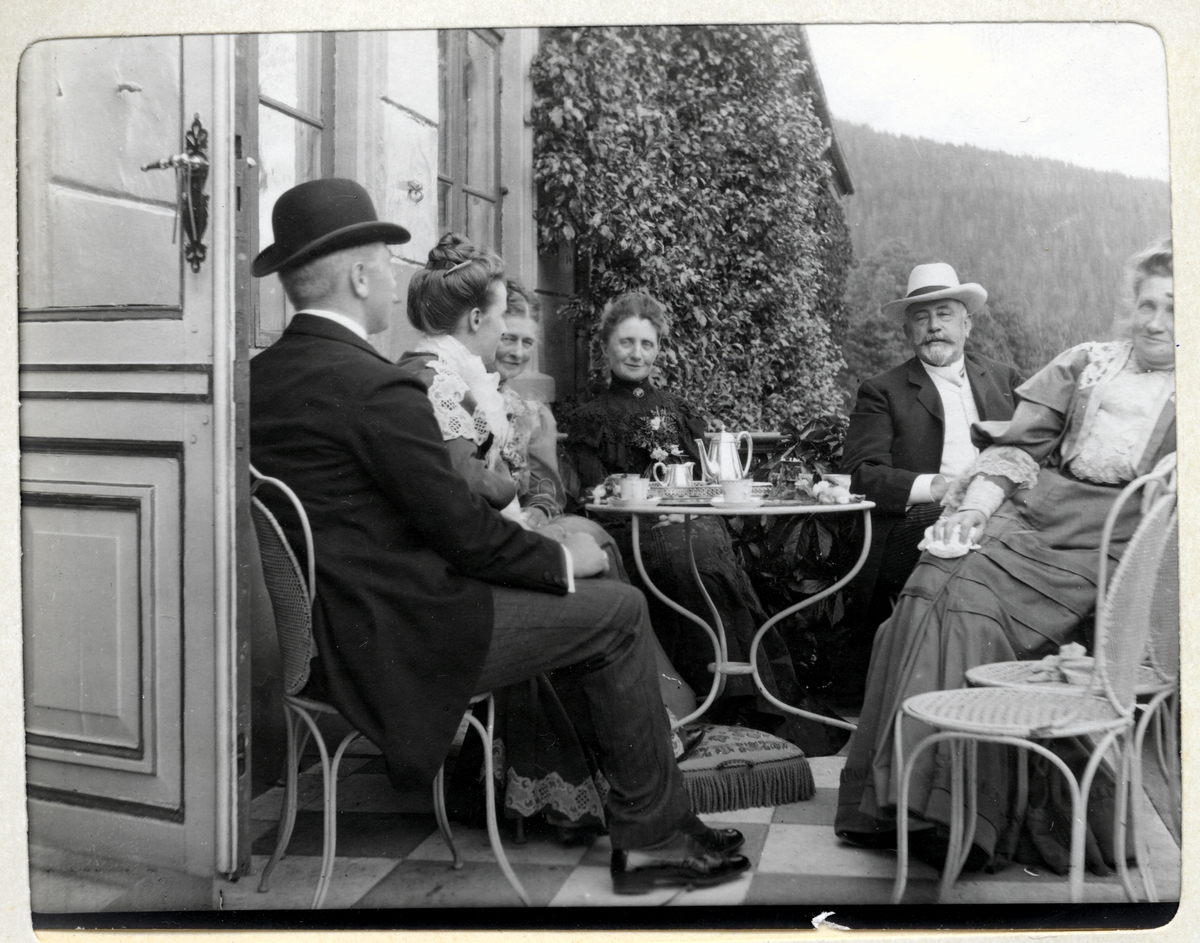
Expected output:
(445, 217)
(479, 100)
(274, 310)
(289, 152)
(289, 70)
(444, 46)
(481, 221)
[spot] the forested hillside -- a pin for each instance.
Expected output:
(1045, 238)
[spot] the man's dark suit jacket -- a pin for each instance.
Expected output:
(405, 551)
(896, 433)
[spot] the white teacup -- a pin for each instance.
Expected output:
(737, 491)
(634, 488)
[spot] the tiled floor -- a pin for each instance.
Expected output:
(391, 855)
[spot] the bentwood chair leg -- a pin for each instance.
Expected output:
(1022, 784)
(493, 826)
(439, 813)
(493, 829)
(1172, 772)
(329, 789)
(1126, 819)
(329, 855)
(287, 812)
(898, 768)
(954, 848)
(972, 812)
(1078, 838)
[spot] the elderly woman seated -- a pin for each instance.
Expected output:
(1096, 417)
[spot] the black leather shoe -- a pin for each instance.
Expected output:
(680, 861)
(721, 841)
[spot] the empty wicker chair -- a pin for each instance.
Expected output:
(1021, 716)
(292, 590)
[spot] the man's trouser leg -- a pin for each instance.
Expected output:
(901, 555)
(598, 639)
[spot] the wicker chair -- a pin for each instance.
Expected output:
(292, 590)
(1157, 678)
(1156, 681)
(1022, 716)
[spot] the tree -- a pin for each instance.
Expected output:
(688, 162)
(1007, 320)
(875, 342)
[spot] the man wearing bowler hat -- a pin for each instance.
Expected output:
(425, 594)
(910, 431)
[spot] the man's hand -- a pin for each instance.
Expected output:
(938, 487)
(587, 559)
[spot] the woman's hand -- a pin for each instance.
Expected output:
(587, 559)
(965, 521)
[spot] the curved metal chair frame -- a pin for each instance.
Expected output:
(1157, 678)
(292, 590)
(1020, 716)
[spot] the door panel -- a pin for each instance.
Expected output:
(102, 666)
(100, 110)
(124, 400)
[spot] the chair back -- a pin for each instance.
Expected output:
(291, 589)
(1162, 648)
(1134, 598)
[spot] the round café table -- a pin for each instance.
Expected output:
(716, 629)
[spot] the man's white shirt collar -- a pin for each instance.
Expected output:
(348, 323)
(955, 373)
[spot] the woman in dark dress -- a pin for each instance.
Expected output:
(625, 429)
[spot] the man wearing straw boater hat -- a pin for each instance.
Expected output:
(910, 432)
(425, 594)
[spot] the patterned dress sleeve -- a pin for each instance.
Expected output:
(1044, 403)
(464, 430)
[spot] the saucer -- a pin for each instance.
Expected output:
(634, 502)
(720, 502)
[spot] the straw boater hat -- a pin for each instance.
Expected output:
(321, 216)
(933, 281)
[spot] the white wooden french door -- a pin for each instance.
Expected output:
(127, 348)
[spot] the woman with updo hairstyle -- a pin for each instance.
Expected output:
(458, 302)
(1096, 417)
(624, 428)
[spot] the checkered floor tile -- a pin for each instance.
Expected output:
(390, 855)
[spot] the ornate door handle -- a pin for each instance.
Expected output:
(191, 205)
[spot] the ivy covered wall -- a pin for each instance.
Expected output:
(688, 161)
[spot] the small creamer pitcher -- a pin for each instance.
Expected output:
(673, 476)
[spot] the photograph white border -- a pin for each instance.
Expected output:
(26, 21)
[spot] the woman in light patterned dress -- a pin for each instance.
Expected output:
(1095, 418)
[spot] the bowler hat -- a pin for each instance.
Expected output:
(321, 216)
(933, 281)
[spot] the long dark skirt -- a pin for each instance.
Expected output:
(1030, 589)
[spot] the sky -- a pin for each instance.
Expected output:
(1089, 94)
